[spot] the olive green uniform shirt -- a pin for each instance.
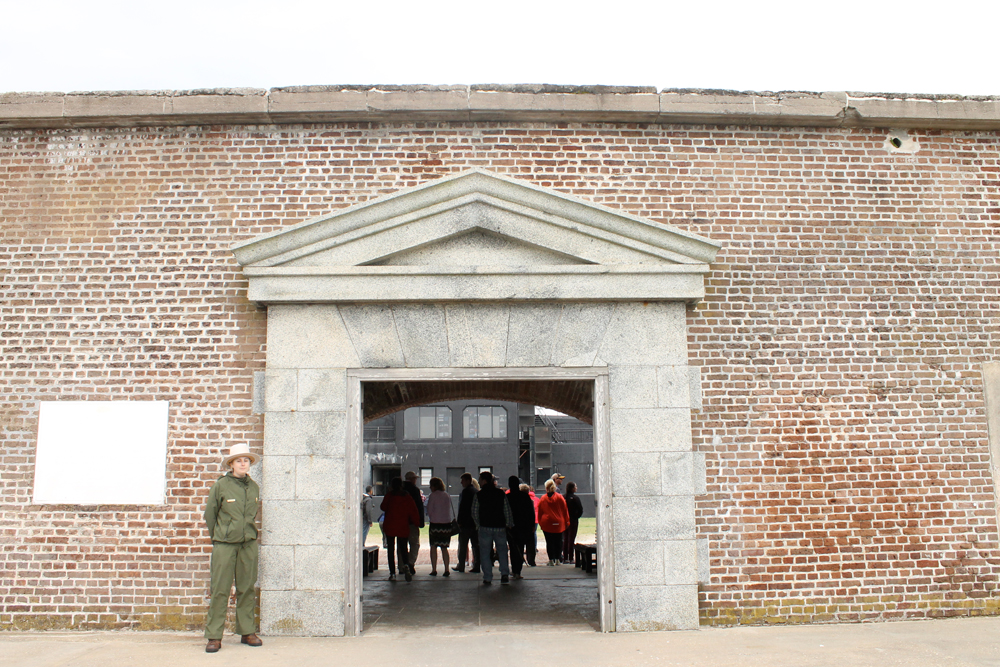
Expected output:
(231, 509)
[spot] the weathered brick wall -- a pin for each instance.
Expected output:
(840, 342)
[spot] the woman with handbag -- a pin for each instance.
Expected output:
(440, 514)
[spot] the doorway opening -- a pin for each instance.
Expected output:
(526, 428)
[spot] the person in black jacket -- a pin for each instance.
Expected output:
(520, 536)
(491, 512)
(410, 486)
(575, 507)
(467, 527)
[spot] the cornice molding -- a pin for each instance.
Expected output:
(499, 103)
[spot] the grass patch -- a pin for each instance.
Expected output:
(586, 534)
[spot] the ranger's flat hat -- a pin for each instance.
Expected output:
(238, 450)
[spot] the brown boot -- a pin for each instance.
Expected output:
(252, 640)
(213, 646)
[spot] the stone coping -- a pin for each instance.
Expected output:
(505, 103)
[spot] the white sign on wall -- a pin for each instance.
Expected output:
(101, 452)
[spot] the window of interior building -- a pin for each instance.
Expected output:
(425, 476)
(454, 480)
(427, 423)
(483, 469)
(483, 422)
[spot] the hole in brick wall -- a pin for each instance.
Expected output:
(900, 141)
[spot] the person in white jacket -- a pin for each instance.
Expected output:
(440, 514)
(367, 510)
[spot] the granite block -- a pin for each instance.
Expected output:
(281, 390)
(677, 470)
(656, 608)
(531, 334)
(322, 390)
(704, 561)
(373, 331)
(276, 568)
(680, 562)
(653, 332)
(632, 386)
(295, 522)
(278, 477)
(636, 474)
(422, 331)
(320, 478)
(581, 328)
(650, 430)
(673, 386)
(298, 433)
(477, 335)
(319, 568)
(654, 518)
(638, 563)
(308, 336)
(302, 613)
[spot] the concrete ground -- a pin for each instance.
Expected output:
(553, 612)
(547, 597)
(548, 618)
(972, 642)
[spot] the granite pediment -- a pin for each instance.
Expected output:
(474, 236)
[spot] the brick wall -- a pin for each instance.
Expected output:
(840, 342)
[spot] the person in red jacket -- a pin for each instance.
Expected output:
(530, 553)
(553, 518)
(400, 514)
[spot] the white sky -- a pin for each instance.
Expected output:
(947, 47)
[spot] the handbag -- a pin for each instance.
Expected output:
(455, 528)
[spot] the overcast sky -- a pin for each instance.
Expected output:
(945, 47)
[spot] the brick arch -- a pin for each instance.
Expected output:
(572, 397)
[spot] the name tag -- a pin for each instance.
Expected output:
(231, 500)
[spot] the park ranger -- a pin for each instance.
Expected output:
(231, 513)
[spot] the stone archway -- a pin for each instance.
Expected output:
(481, 279)
(572, 397)
(594, 378)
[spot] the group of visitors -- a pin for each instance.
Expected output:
(500, 526)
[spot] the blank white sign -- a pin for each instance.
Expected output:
(101, 452)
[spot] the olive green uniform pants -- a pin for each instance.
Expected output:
(232, 561)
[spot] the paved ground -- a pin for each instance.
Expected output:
(549, 618)
(971, 642)
(550, 597)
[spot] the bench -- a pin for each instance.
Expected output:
(585, 556)
(369, 561)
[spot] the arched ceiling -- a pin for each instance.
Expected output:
(572, 397)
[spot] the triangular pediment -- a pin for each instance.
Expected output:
(475, 224)
(476, 247)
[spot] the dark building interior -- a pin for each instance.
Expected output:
(446, 439)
